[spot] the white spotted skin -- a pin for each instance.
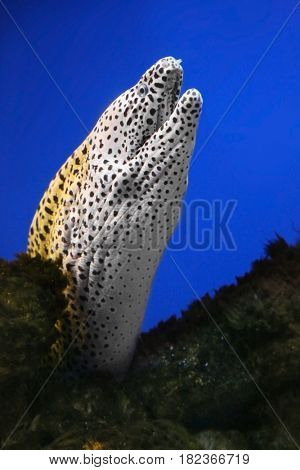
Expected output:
(109, 213)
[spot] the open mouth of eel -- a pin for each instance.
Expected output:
(171, 97)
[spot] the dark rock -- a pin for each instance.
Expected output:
(227, 379)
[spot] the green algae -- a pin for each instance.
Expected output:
(202, 381)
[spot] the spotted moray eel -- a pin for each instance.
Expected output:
(110, 210)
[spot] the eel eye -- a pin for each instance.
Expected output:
(143, 89)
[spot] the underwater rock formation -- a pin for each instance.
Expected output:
(186, 388)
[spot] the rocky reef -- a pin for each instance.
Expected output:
(225, 375)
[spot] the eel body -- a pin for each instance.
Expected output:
(110, 210)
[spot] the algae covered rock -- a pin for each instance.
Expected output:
(31, 300)
(225, 375)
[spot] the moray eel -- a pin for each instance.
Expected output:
(110, 210)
